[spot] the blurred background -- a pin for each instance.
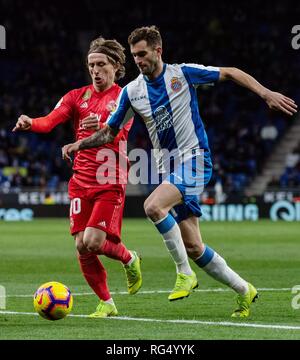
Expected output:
(255, 151)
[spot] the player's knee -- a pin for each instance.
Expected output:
(93, 243)
(93, 246)
(80, 247)
(153, 211)
(194, 250)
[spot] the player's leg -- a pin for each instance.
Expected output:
(95, 275)
(157, 207)
(130, 259)
(93, 238)
(208, 259)
(91, 267)
(99, 231)
(215, 266)
(100, 243)
(106, 218)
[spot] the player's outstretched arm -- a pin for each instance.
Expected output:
(23, 124)
(101, 137)
(275, 100)
(62, 112)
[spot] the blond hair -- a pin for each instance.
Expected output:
(114, 52)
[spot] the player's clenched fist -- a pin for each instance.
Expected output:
(91, 122)
(24, 123)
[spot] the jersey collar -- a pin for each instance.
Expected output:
(160, 76)
(102, 93)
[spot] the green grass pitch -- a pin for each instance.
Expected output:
(265, 253)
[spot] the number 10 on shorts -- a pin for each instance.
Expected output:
(75, 206)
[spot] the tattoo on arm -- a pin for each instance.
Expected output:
(101, 137)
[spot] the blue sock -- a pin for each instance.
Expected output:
(166, 224)
(206, 257)
(171, 234)
(215, 266)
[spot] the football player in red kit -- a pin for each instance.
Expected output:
(96, 208)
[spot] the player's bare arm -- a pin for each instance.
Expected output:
(101, 137)
(275, 100)
(23, 124)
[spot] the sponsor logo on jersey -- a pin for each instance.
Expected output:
(162, 118)
(87, 95)
(176, 84)
(137, 98)
(59, 103)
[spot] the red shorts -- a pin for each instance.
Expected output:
(100, 207)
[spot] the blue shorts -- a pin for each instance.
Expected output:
(190, 178)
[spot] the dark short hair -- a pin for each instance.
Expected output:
(113, 50)
(150, 34)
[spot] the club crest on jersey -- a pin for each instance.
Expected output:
(111, 106)
(87, 95)
(176, 84)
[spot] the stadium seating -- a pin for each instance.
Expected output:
(45, 59)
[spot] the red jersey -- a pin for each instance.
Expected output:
(92, 167)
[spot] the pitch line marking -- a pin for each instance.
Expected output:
(146, 292)
(192, 322)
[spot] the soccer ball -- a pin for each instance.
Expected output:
(53, 300)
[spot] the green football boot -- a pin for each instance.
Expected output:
(134, 274)
(183, 286)
(104, 310)
(244, 302)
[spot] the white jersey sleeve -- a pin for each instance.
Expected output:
(200, 74)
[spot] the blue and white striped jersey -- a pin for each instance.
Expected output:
(169, 107)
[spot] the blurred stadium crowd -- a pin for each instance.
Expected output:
(45, 58)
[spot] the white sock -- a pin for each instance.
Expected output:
(218, 269)
(171, 234)
(110, 301)
(131, 260)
